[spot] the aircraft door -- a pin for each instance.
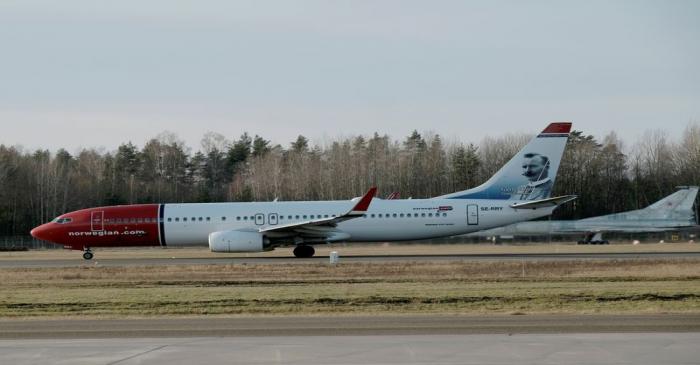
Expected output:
(472, 214)
(260, 219)
(97, 219)
(272, 219)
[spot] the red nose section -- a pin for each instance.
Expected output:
(43, 232)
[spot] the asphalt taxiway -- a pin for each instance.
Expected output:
(639, 340)
(162, 261)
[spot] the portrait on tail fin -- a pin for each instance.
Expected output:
(536, 170)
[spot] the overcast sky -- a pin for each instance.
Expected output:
(97, 73)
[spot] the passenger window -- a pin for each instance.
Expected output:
(297, 217)
(444, 214)
(133, 220)
(177, 219)
(379, 215)
(200, 219)
(238, 218)
(170, 219)
(394, 215)
(184, 219)
(223, 218)
(289, 217)
(245, 218)
(325, 216)
(401, 215)
(422, 214)
(208, 219)
(430, 214)
(371, 215)
(304, 216)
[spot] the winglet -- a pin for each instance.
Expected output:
(393, 195)
(363, 204)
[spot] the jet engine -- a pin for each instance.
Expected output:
(238, 241)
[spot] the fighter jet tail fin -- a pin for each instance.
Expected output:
(677, 206)
(530, 174)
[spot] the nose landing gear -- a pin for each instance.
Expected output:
(87, 254)
(304, 251)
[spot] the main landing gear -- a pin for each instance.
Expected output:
(594, 239)
(87, 254)
(304, 251)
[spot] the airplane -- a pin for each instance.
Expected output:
(673, 212)
(519, 191)
(393, 196)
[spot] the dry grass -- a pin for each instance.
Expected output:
(357, 249)
(354, 272)
(605, 286)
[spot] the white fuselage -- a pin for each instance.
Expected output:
(385, 220)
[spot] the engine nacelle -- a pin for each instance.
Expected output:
(237, 241)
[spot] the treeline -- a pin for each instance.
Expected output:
(36, 186)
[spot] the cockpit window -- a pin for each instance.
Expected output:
(63, 220)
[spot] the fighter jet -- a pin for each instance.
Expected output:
(673, 212)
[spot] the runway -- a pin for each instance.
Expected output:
(345, 325)
(639, 340)
(163, 261)
(567, 349)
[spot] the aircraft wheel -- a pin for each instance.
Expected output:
(304, 251)
(87, 255)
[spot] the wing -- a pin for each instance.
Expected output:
(324, 227)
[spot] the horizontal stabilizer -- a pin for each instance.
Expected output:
(544, 203)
